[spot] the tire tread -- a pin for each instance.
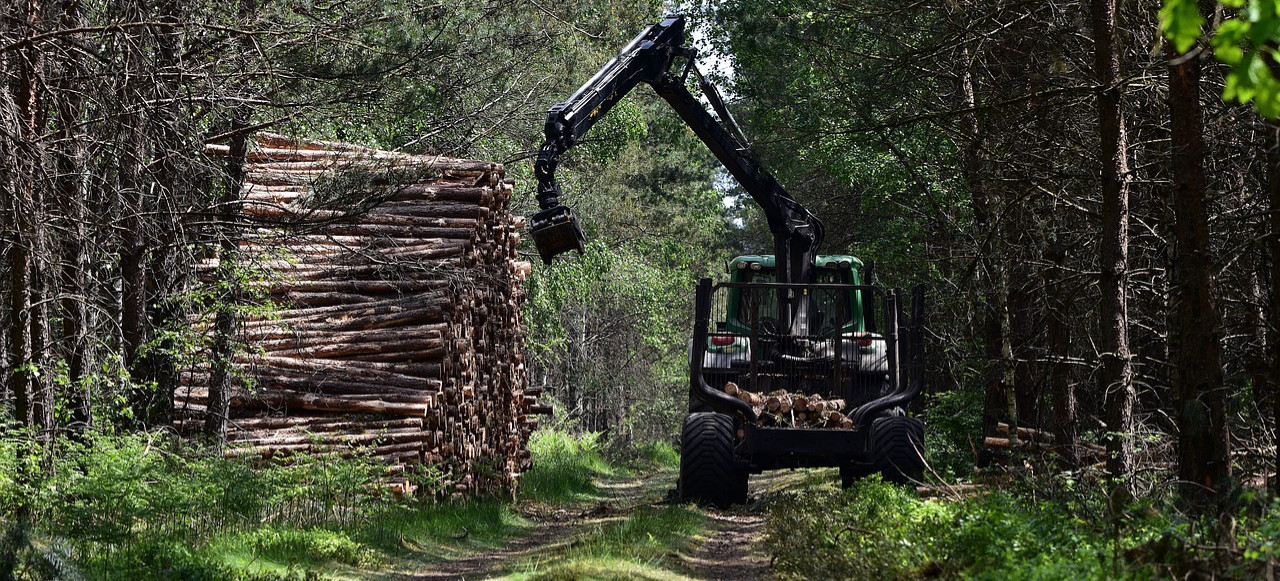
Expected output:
(897, 449)
(708, 472)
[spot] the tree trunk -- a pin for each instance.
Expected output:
(157, 366)
(1058, 331)
(70, 187)
(1203, 439)
(1117, 368)
(24, 335)
(999, 401)
(1273, 245)
(133, 250)
(220, 384)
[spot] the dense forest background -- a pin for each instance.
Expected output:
(1095, 224)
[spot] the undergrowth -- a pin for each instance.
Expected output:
(148, 506)
(875, 530)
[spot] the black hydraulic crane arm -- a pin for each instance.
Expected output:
(649, 58)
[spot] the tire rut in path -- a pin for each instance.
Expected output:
(733, 551)
(552, 528)
(548, 532)
(731, 554)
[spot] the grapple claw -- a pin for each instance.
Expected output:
(556, 231)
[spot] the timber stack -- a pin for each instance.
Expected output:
(387, 315)
(793, 410)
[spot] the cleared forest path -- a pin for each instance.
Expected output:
(588, 540)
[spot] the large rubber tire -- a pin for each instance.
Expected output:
(708, 473)
(897, 449)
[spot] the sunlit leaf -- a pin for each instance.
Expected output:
(1182, 23)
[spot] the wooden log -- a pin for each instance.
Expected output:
(346, 391)
(352, 321)
(385, 372)
(442, 208)
(318, 423)
(403, 269)
(264, 335)
(412, 356)
(477, 195)
(328, 383)
(314, 152)
(1026, 433)
(331, 220)
(380, 230)
(332, 439)
(313, 402)
(380, 305)
(321, 299)
(355, 263)
(1007, 444)
(270, 240)
(438, 246)
(348, 286)
(388, 373)
(426, 348)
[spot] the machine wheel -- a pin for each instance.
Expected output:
(897, 448)
(708, 473)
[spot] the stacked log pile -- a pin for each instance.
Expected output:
(793, 410)
(392, 325)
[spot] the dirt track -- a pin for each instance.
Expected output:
(729, 551)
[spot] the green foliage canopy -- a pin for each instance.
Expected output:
(1246, 41)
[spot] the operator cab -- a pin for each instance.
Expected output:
(829, 310)
(839, 354)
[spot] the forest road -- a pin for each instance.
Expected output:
(729, 548)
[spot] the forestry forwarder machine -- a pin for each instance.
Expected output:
(792, 321)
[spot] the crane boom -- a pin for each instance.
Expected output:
(650, 58)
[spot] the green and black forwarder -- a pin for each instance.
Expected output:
(793, 321)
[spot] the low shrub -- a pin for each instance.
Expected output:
(878, 531)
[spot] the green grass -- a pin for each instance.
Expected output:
(564, 467)
(143, 507)
(435, 531)
(660, 455)
(600, 569)
(399, 535)
(636, 547)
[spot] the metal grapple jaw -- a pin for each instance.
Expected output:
(555, 231)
